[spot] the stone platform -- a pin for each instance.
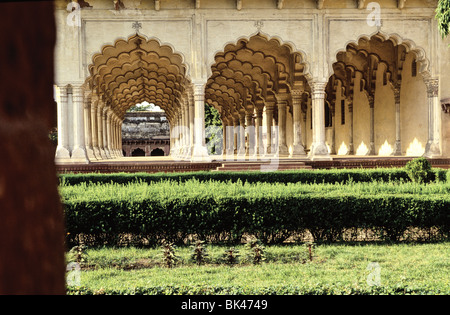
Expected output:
(168, 164)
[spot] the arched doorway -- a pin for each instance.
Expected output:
(138, 152)
(157, 152)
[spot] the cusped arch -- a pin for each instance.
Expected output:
(397, 40)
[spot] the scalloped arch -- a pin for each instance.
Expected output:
(397, 40)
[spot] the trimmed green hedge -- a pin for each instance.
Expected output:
(323, 289)
(218, 211)
(291, 176)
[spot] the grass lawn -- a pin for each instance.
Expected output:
(334, 269)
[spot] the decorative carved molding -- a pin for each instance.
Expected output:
(401, 4)
(432, 87)
(157, 5)
(197, 4)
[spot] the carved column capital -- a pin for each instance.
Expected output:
(432, 87)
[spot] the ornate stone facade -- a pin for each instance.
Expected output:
(301, 78)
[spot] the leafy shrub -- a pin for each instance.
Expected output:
(231, 256)
(199, 254)
(169, 258)
(419, 170)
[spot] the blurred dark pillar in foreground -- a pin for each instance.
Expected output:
(31, 217)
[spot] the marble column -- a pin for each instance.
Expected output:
(229, 134)
(249, 134)
(100, 130)
(94, 127)
(398, 143)
(432, 148)
(79, 149)
(269, 126)
(371, 150)
(319, 150)
(105, 132)
(108, 133)
(351, 149)
(282, 107)
(241, 142)
(62, 150)
(88, 126)
(186, 130)
(235, 134)
(298, 149)
(259, 147)
(200, 152)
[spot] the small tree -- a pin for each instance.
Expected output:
(230, 256)
(168, 255)
(256, 251)
(419, 170)
(199, 253)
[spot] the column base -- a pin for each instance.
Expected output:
(319, 152)
(298, 150)
(200, 154)
(371, 150)
(283, 150)
(79, 156)
(432, 150)
(90, 154)
(397, 149)
(62, 153)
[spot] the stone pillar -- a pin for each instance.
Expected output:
(100, 129)
(79, 149)
(94, 127)
(105, 132)
(62, 150)
(88, 126)
(282, 107)
(269, 127)
(191, 106)
(333, 130)
(371, 150)
(241, 142)
(186, 130)
(398, 143)
(249, 134)
(432, 148)
(120, 137)
(259, 147)
(351, 149)
(109, 133)
(235, 135)
(229, 135)
(113, 135)
(200, 152)
(319, 150)
(298, 149)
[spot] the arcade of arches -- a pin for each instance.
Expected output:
(376, 95)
